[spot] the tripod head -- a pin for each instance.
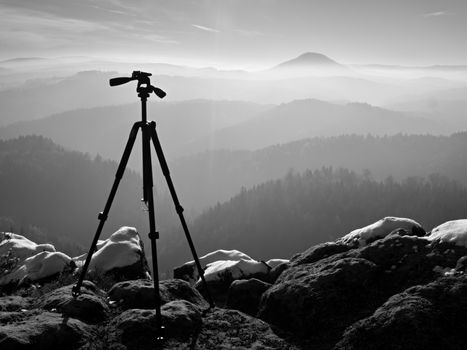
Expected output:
(144, 87)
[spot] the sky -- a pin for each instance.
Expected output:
(245, 34)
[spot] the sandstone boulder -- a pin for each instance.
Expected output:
(245, 295)
(12, 303)
(231, 329)
(136, 328)
(312, 299)
(90, 306)
(422, 317)
(318, 252)
(139, 294)
(44, 331)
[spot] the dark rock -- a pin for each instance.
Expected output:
(45, 330)
(231, 329)
(11, 316)
(89, 306)
(136, 328)
(244, 295)
(138, 270)
(461, 265)
(277, 271)
(139, 294)
(185, 272)
(403, 261)
(14, 303)
(319, 252)
(311, 299)
(422, 317)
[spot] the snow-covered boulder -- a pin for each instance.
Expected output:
(38, 267)
(380, 229)
(230, 270)
(220, 274)
(454, 232)
(122, 254)
(20, 246)
(189, 272)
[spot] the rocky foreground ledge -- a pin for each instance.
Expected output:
(389, 285)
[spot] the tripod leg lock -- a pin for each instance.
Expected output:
(101, 216)
(179, 209)
(153, 235)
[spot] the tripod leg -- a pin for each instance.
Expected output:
(178, 207)
(153, 234)
(103, 215)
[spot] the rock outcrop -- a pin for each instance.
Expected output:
(423, 317)
(380, 289)
(43, 330)
(332, 286)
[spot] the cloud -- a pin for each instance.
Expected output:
(206, 29)
(436, 14)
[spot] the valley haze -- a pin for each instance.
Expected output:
(259, 96)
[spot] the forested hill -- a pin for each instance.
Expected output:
(61, 191)
(282, 217)
(221, 174)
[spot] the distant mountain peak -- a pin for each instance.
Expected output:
(309, 59)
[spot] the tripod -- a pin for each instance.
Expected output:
(149, 133)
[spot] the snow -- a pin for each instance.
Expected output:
(37, 267)
(221, 254)
(233, 270)
(22, 247)
(454, 231)
(122, 248)
(191, 272)
(37, 261)
(272, 263)
(379, 229)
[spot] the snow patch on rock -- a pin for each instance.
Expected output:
(454, 231)
(21, 247)
(272, 263)
(377, 230)
(233, 270)
(37, 267)
(122, 248)
(189, 272)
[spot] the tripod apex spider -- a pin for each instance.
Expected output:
(149, 133)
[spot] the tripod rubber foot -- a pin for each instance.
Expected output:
(160, 337)
(75, 292)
